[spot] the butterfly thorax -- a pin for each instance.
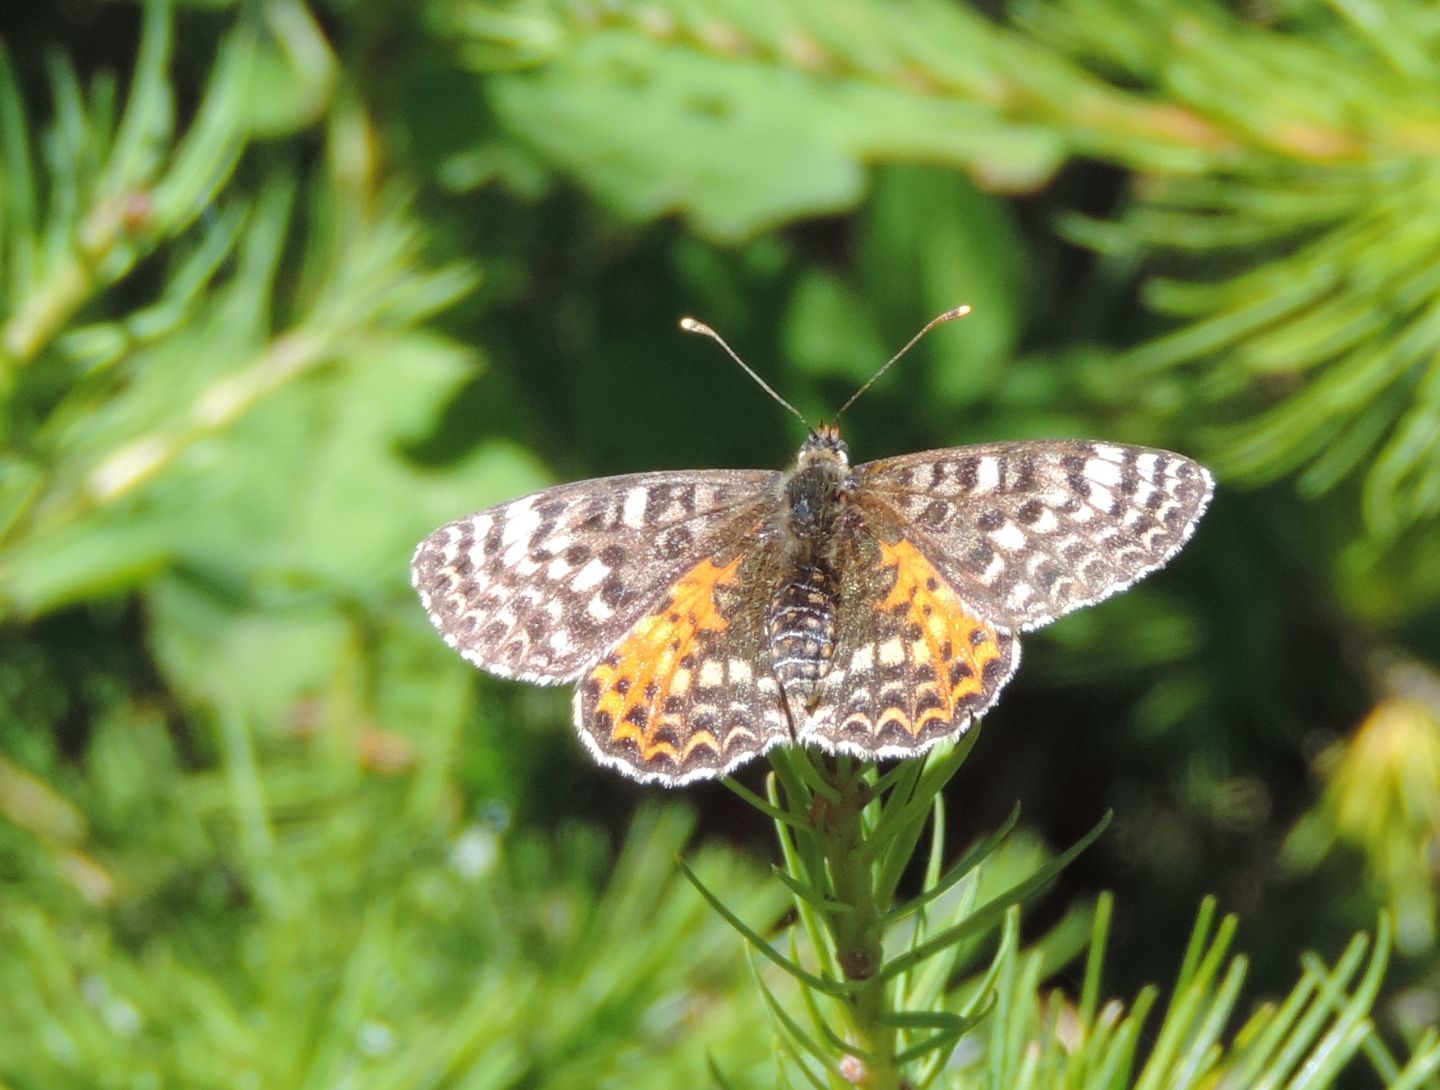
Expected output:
(801, 618)
(818, 488)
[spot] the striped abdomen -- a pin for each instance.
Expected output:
(802, 630)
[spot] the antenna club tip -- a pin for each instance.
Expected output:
(691, 325)
(956, 312)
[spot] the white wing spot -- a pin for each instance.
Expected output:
(740, 673)
(1106, 473)
(1047, 523)
(1101, 497)
(1010, 538)
(987, 474)
(892, 652)
(712, 674)
(633, 512)
(520, 525)
(590, 576)
(1020, 594)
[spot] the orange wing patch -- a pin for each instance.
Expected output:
(956, 661)
(638, 697)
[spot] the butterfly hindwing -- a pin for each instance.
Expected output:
(690, 691)
(913, 663)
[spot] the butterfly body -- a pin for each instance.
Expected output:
(801, 618)
(708, 616)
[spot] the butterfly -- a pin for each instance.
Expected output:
(706, 617)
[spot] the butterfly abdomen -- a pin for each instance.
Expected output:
(801, 627)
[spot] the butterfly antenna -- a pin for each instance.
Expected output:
(690, 325)
(948, 316)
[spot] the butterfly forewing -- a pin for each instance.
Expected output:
(539, 588)
(1029, 531)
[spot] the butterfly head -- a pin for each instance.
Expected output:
(823, 444)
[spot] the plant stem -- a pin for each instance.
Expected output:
(847, 834)
(857, 931)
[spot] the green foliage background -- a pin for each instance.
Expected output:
(283, 286)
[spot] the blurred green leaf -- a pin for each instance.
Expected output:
(745, 116)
